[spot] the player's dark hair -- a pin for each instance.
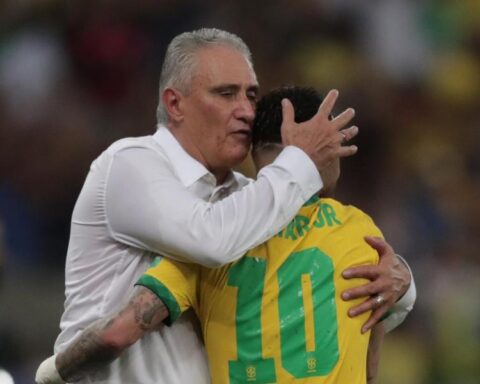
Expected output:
(268, 119)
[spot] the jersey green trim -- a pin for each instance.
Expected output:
(163, 294)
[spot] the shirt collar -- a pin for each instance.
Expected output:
(188, 169)
(231, 181)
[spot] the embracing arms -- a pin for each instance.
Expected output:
(391, 279)
(104, 340)
(149, 206)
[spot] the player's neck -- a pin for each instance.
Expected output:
(265, 155)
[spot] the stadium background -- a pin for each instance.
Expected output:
(75, 76)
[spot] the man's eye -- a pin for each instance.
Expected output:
(226, 93)
(252, 97)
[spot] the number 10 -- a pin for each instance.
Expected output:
(307, 314)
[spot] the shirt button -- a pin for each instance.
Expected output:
(222, 192)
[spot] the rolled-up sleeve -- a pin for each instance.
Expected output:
(148, 207)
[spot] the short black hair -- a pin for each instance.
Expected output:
(268, 118)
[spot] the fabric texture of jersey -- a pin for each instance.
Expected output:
(276, 316)
(146, 196)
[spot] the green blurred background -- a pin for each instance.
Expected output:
(77, 75)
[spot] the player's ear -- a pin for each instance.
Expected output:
(172, 100)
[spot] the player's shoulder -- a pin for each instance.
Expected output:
(341, 207)
(347, 211)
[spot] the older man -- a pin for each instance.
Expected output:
(172, 194)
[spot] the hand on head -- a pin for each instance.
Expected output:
(320, 138)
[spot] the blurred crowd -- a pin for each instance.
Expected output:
(76, 76)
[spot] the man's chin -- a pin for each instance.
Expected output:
(237, 156)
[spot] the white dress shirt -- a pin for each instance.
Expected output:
(147, 195)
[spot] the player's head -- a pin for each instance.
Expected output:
(208, 94)
(266, 135)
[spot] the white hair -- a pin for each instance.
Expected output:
(179, 63)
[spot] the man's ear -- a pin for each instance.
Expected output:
(172, 101)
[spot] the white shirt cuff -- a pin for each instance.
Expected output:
(403, 306)
(297, 162)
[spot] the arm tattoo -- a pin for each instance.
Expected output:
(87, 353)
(96, 347)
(148, 308)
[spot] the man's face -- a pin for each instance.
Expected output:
(218, 111)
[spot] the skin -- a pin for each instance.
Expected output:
(265, 156)
(213, 121)
(106, 339)
(321, 137)
(373, 353)
(390, 277)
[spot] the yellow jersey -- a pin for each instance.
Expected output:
(275, 315)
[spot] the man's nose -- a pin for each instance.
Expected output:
(246, 109)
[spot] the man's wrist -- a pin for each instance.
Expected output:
(297, 162)
(410, 274)
(404, 304)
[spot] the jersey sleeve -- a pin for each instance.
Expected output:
(367, 227)
(174, 283)
(371, 228)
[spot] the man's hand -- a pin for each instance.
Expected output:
(389, 280)
(320, 138)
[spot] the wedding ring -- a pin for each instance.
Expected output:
(379, 300)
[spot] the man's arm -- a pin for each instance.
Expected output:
(394, 317)
(104, 340)
(373, 354)
(148, 207)
(391, 279)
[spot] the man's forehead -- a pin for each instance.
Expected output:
(220, 64)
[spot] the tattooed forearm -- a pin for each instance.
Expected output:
(105, 340)
(87, 353)
(149, 309)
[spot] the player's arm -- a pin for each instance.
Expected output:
(373, 354)
(104, 340)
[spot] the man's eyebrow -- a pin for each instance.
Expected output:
(225, 87)
(233, 87)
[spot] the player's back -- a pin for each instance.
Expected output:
(276, 315)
